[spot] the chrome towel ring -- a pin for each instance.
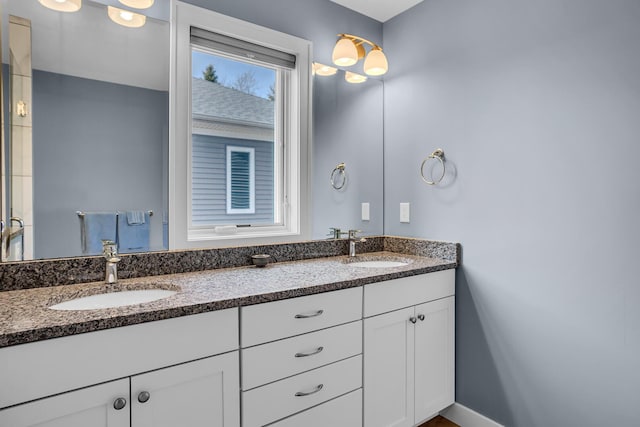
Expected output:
(338, 176)
(438, 154)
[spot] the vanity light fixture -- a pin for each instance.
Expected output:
(62, 5)
(138, 4)
(354, 77)
(323, 70)
(350, 49)
(126, 18)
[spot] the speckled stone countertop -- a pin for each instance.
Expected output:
(25, 316)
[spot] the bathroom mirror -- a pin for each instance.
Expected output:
(347, 130)
(95, 133)
(88, 109)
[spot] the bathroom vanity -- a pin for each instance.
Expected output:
(316, 343)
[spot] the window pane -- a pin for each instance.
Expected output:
(235, 148)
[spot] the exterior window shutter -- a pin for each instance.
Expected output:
(240, 180)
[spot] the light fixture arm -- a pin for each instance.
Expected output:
(359, 40)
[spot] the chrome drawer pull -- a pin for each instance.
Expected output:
(308, 393)
(307, 316)
(310, 354)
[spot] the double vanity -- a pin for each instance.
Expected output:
(328, 341)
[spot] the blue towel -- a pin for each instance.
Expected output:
(135, 217)
(94, 228)
(133, 236)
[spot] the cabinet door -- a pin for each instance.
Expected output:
(195, 394)
(92, 406)
(434, 347)
(389, 369)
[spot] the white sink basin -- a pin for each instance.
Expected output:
(113, 299)
(377, 264)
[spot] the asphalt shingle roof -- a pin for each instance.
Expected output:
(226, 104)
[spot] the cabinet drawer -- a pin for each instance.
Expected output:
(394, 294)
(278, 400)
(299, 354)
(281, 319)
(345, 411)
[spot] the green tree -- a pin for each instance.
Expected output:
(209, 74)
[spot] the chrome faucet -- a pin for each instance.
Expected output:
(353, 239)
(110, 252)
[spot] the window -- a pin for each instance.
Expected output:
(241, 186)
(240, 142)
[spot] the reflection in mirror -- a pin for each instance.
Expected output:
(85, 111)
(99, 131)
(347, 129)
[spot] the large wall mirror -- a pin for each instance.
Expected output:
(85, 121)
(87, 111)
(347, 155)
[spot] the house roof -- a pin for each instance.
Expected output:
(214, 102)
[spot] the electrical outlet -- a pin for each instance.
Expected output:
(365, 212)
(405, 212)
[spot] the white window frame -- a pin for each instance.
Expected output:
(252, 180)
(297, 135)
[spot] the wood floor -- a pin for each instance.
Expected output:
(439, 422)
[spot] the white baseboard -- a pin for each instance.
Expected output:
(466, 417)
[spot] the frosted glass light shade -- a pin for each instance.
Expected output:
(62, 5)
(125, 17)
(375, 64)
(354, 77)
(138, 4)
(323, 70)
(345, 53)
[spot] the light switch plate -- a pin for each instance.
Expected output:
(405, 212)
(365, 212)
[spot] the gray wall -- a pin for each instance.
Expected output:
(93, 138)
(354, 137)
(537, 106)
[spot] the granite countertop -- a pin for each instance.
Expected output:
(25, 316)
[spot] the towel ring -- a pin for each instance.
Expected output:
(439, 155)
(338, 171)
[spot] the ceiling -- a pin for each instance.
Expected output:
(380, 10)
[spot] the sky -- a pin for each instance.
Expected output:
(228, 70)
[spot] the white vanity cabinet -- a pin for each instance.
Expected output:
(91, 406)
(303, 353)
(187, 395)
(408, 349)
(154, 374)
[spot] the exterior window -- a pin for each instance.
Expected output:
(241, 193)
(241, 132)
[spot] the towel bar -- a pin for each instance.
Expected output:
(80, 213)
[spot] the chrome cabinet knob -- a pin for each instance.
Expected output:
(119, 403)
(143, 397)
(413, 320)
(421, 317)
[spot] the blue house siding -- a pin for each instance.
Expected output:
(209, 186)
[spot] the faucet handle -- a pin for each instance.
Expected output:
(335, 233)
(110, 250)
(354, 233)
